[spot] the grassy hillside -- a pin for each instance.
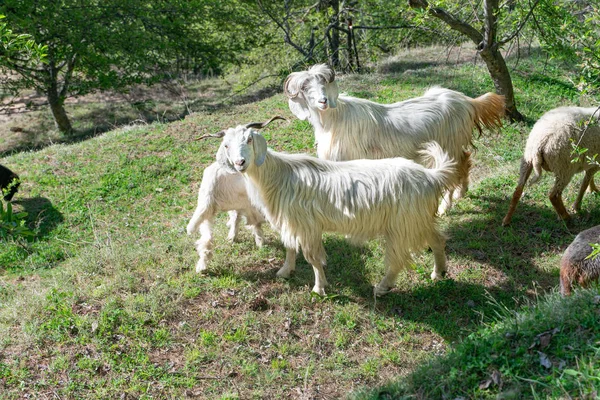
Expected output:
(105, 301)
(545, 350)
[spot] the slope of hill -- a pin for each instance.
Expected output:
(105, 301)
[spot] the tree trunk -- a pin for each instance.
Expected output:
(489, 50)
(57, 105)
(349, 44)
(502, 81)
(334, 43)
(57, 94)
(487, 45)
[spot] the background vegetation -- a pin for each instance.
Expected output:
(103, 300)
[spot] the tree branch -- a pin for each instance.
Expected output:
(521, 25)
(449, 19)
(287, 37)
(68, 74)
(491, 24)
(386, 27)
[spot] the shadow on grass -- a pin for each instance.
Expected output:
(398, 67)
(487, 263)
(42, 216)
(103, 116)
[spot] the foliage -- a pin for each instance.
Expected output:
(320, 32)
(569, 30)
(20, 46)
(13, 225)
(99, 45)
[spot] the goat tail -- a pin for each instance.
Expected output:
(442, 166)
(489, 110)
(536, 163)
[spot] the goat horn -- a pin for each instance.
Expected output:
(285, 87)
(260, 125)
(332, 77)
(215, 135)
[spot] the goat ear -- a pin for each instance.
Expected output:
(298, 108)
(260, 149)
(332, 94)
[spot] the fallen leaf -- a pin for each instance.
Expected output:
(544, 360)
(543, 339)
(497, 378)
(485, 384)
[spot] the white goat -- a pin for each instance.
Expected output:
(223, 189)
(303, 197)
(550, 145)
(348, 128)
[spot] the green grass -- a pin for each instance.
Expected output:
(547, 349)
(105, 302)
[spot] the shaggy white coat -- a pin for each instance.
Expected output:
(222, 190)
(348, 128)
(303, 197)
(549, 147)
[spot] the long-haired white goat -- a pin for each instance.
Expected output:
(550, 147)
(348, 128)
(303, 196)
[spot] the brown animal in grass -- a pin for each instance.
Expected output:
(575, 267)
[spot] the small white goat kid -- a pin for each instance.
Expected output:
(303, 196)
(349, 128)
(550, 146)
(223, 189)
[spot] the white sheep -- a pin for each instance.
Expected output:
(303, 196)
(550, 145)
(223, 189)
(348, 128)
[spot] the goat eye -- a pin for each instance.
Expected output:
(250, 140)
(226, 146)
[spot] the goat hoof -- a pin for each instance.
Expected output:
(319, 291)
(442, 209)
(438, 276)
(381, 290)
(259, 242)
(283, 273)
(200, 268)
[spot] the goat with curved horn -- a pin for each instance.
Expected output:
(351, 128)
